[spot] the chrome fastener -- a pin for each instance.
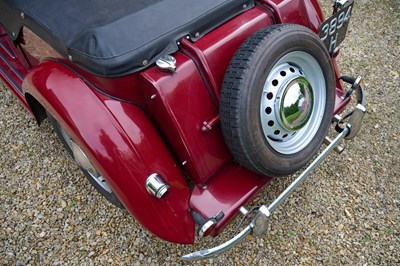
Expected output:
(156, 186)
(167, 63)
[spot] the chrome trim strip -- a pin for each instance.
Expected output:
(21, 78)
(10, 53)
(5, 75)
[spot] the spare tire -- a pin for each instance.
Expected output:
(277, 99)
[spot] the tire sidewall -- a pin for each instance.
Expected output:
(111, 197)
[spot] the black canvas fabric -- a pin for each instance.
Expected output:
(117, 37)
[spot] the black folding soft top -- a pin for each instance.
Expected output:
(117, 37)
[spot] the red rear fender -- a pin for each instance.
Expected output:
(122, 143)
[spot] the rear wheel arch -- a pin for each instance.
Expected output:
(119, 152)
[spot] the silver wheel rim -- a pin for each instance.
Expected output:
(83, 161)
(293, 68)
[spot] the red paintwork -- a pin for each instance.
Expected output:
(122, 143)
(179, 110)
(217, 48)
(184, 92)
(304, 12)
(181, 106)
(127, 88)
(227, 191)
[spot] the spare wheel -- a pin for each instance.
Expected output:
(277, 99)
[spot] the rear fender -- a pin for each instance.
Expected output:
(122, 143)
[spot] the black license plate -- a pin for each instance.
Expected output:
(333, 30)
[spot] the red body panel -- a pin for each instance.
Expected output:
(215, 50)
(126, 88)
(185, 100)
(152, 121)
(303, 12)
(227, 191)
(122, 143)
(180, 106)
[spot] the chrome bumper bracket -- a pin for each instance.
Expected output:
(357, 114)
(260, 223)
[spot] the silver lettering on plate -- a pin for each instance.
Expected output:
(333, 30)
(332, 44)
(335, 24)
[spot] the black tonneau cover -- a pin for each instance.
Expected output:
(117, 37)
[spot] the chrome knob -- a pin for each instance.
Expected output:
(167, 63)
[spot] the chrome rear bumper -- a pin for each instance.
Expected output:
(260, 223)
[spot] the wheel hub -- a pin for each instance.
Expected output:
(83, 161)
(295, 104)
(287, 103)
(292, 102)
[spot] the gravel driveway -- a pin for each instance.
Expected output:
(348, 212)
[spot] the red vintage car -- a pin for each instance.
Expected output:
(181, 111)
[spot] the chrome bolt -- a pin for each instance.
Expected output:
(243, 211)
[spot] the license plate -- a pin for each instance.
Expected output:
(333, 30)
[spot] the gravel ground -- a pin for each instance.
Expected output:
(348, 212)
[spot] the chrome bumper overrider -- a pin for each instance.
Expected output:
(259, 225)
